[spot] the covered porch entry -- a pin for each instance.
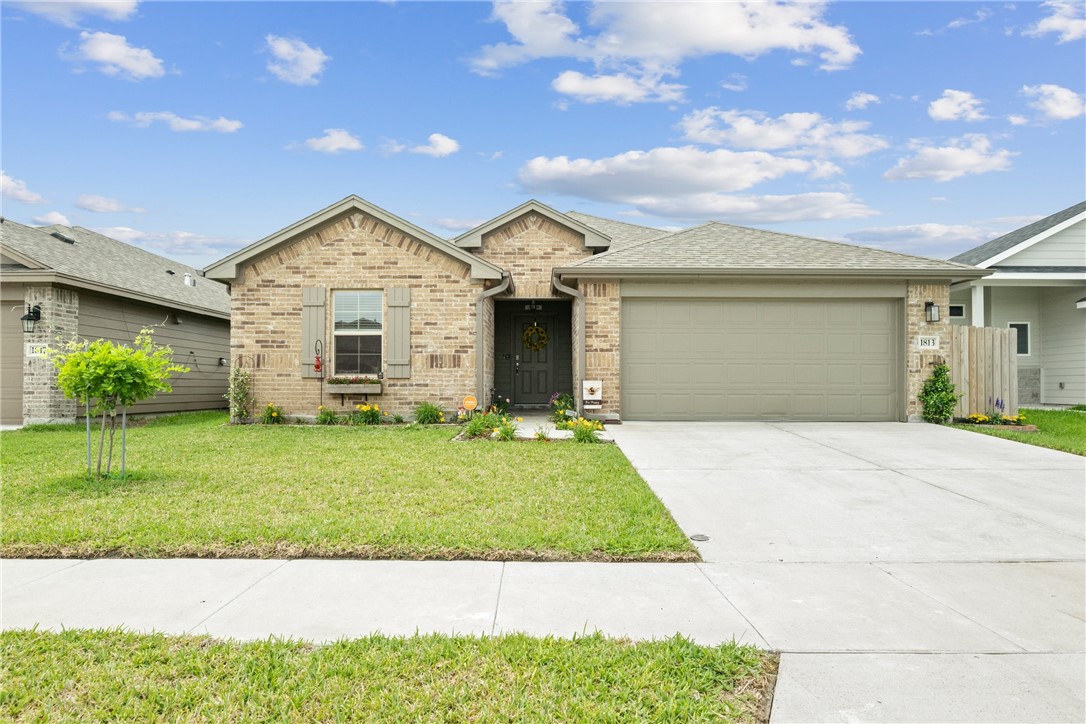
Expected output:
(533, 350)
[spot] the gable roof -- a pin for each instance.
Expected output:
(79, 257)
(226, 268)
(593, 238)
(622, 233)
(716, 248)
(1001, 247)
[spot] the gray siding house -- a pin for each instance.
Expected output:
(94, 287)
(1038, 286)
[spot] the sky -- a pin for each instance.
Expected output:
(194, 128)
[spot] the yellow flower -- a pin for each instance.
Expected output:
(497, 429)
(520, 419)
(386, 413)
(275, 414)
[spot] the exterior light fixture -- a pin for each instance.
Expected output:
(222, 361)
(931, 311)
(31, 318)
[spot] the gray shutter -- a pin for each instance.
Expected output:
(313, 329)
(398, 333)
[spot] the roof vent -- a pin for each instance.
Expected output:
(190, 281)
(171, 272)
(62, 237)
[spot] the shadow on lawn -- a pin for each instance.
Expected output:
(87, 486)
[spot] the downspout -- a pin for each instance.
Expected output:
(480, 364)
(579, 336)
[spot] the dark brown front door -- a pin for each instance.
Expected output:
(534, 370)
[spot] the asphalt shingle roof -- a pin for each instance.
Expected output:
(622, 234)
(722, 246)
(102, 260)
(984, 252)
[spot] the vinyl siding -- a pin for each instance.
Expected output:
(1017, 304)
(1065, 248)
(198, 343)
(1064, 358)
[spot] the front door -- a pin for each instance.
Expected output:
(534, 361)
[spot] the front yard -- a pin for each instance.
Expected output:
(1057, 429)
(115, 675)
(197, 486)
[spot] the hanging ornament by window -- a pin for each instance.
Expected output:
(535, 338)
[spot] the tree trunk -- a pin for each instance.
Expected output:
(124, 429)
(101, 443)
(88, 437)
(112, 430)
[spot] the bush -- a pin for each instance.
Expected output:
(507, 428)
(481, 425)
(560, 403)
(240, 394)
(938, 396)
(366, 414)
(427, 413)
(326, 416)
(585, 430)
(272, 415)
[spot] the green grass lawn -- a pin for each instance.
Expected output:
(1057, 429)
(198, 486)
(112, 675)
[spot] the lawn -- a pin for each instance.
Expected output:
(1057, 429)
(197, 486)
(100, 675)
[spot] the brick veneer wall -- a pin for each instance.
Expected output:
(529, 249)
(356, 251)
(42, 399)
(603, 311)
(918, 364)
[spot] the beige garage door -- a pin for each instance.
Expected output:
(11, 362)
(723, 359)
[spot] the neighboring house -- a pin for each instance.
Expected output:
(1038, 286)
(91, 286)
(717, 322)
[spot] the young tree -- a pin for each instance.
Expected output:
(113, 375)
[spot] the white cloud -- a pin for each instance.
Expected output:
(53, 217)
(540, 29)
(1067, 18)
(115, 57)
(860, 100)
(956, 105)
(439, 145)
(294, 61)
(390, 145)
(689, 183)
(937, 239)
(806, 134)
(454, 224)
(70, 13)
(978, 17)
(173, 244)
(736, 82)
(176, 123)
(334, 140)
(103, 204)
(1055, 102)
(619, 88)
(15, 189)
(1017, 120)
(968, 155)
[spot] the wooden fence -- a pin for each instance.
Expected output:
(984, 368)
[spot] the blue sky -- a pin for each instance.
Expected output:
(193, 128)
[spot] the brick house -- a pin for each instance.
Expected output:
(715, 322)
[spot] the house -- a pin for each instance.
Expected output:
(83, 284)
(717, 322)
(1038, 287)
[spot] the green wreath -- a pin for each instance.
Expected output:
(535, 338)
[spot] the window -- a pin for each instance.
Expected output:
(357, 332)
(957, 311)
(1023, 336)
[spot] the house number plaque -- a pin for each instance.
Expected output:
(927, 342)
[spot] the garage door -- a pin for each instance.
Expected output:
(724, 359)
(11, 362)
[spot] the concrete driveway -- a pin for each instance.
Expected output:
(908, 572)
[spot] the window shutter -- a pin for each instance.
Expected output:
(313, 329)
(398, 333)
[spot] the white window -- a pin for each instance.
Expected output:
(357, 332)
(1023, 336)
(957, 311)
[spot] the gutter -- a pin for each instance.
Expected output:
(725, 272)
(579, 334)
(480, 375)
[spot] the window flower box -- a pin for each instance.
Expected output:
(356, 388)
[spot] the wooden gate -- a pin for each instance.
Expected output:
(984, 368)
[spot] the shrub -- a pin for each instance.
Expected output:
(397, 419)
(507, 428)
(427, 413)
(560, 403)
(585, 430)
(481, 425)
(272, 415)
(938, 396)
(366, 414)
(326, 416)
(240, 394)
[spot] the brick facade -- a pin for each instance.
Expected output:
(529, 249)
(356, 251)
(918, 364)
(603, 318)
(42, 399)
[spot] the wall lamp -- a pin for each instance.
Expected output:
(31, 318)
(931, 311)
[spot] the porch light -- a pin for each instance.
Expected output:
(931, 311)
(31, 318)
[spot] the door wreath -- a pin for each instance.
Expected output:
(535, 338)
